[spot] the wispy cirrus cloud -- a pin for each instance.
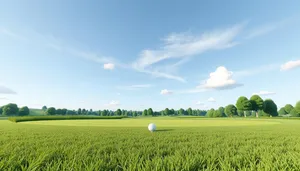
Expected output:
(269, 27)
(185, 45)
(166, 92)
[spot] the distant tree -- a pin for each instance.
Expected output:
(217, 113)
(51, 111)
(44, 108)
(58, 111)
(231, 110)
(83, 111)
(79, 111)
(104, 113)
(282, 111)
(1, 110)
(294, 113)
(150, 112)
(190, 111)
(181, 111)
(70, 112)
(64, 111)
(134, 114)
(166, 112)
(243, 104)
(10, 109)
(24, 111)
(210, 113)
(256, 103)
(222, 110)
(297, 108)
(172, 112)
(118, 112)
(241, 113)
(270, 107)
(288, 108)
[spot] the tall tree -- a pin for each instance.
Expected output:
(231, 110)
(166, 112)
(118, 112)
(243, 104)
(1, 110)
(10, 109)
(79, 111)
(257, 103)
(44, 108)
(51, 111)
(64, 111)
(297, 108)
(24, 111)
(288, 108)
(172, 112)
(222, 111)
(181, 111)
(145, 112)
(270, 107)
(150, 112)
(190, 111)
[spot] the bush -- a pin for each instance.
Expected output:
(43, 118)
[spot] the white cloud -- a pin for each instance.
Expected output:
(134, 87)
(109, 66)
(166, 92)
(264, 93)
(220, 79)
(211, 99)
(290, 65)
(5, 90)
(200, 103)
(113, 103)
(184, 45)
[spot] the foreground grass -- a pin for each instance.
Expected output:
(26, 146)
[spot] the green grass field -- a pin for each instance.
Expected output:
(126, 144)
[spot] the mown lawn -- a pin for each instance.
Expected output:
(179, 144)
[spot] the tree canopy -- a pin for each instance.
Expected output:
(24, 111)
(51, 111)
(270, 107)
(231, 110)
(10, 109)
(256, 102)
(288, 108)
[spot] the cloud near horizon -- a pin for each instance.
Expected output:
(5, 90)
(264, 93)
(211, 99)
(165, 92)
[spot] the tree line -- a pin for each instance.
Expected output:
(244, 107)
(255, 106)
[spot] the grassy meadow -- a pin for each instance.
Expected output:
(126, 144)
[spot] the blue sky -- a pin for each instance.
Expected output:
(139, 54)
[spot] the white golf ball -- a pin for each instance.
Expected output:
(152, 127)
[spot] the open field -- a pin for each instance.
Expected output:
(179, 144)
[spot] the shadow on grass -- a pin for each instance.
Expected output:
(164, 130)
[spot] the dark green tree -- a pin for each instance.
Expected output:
(24, 111)
(256, 103)
(243, 104)
(44, 108)
(217, 113)
(190, 111)
(145, 112)
(297, 108)
(270, 107)
(150, 112)
(166, 112)
(1, 110)
(79, 111)
(51, 111)
(118, 112)
(10, 109)
(172, 112)
(181, 111)
(58, 111)
(231, 110)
